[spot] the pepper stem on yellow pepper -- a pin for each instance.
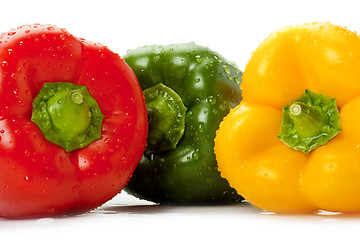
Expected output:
(310, 121)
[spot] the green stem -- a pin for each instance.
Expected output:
(310, 121)
(67, 115)
(166, 114)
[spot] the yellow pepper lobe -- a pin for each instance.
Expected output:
(321, 57)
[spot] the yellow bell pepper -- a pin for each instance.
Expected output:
(293, 143)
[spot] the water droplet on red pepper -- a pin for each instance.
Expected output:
(27, 178)
(4, 64)
(63, 30)
(62, 36)
(27, 31)
(50, 28)
(11, 33)
(27, 153)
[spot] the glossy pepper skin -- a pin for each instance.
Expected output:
(37, 177)
(324, 59)
(208, 86)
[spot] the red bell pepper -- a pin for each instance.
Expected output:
(73, 122)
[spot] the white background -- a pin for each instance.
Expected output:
(232, 28)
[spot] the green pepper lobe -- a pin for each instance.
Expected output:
(67, 115)
(310, 121)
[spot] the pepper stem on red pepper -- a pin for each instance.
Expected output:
(166, 113)
(310, 121)
(67, 115)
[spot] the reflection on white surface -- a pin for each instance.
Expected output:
(128, 216)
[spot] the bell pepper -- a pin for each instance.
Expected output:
(292, 145)
(188, 90)
(73, 122)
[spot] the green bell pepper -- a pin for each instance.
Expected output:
(188, 90)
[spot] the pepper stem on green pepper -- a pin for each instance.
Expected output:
(166, 114)
(310, 121)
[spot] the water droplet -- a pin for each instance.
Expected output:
(63, 30)
(62, 36)
(197, 80)
(11, 33)
(237, 80)
(4, 64)
(10, 51)
(199, 58)
(27, 153)
(226, 69)
(27, 178)
(201, 127)
(212, 100)
(50, 28)
(27, 31)
(229, 77)
(17, 131)
(195, 154)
